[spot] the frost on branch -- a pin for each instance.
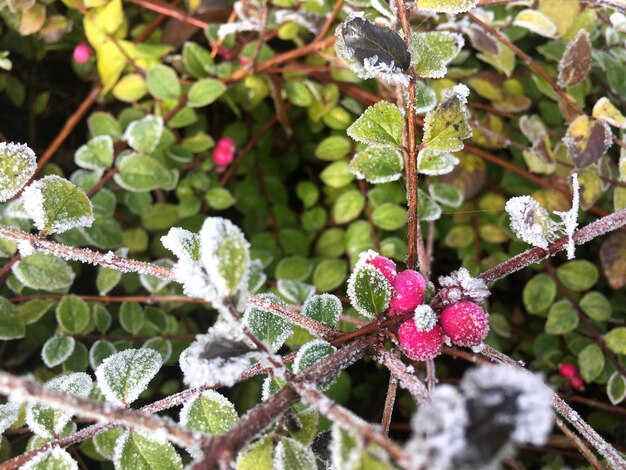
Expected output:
(478, 424)
(460, 285)
(17, 166)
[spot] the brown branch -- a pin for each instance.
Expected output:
(580, 444)
(329, 20)
(390, 400)
(144, 299)
(401, 371)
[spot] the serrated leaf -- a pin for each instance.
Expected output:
(143, 135)
(55, 459)
(141, 173)
(73, 314)
(96, 154)
(380, 124)
(204, 92)
(44, 272)
(447, 6)
(163, 83)
(615, 340)
(616, 388)
(369, 291)
(323, 308)
(434, 51)
(267, 326)
(605, 110)
(536, 22)
(12, 324)
(17, 166)
(290, 454)
(591, 362)
(378, 165)
(123, 376)
(576, 61)
(209, 413)
(56, 205)
(587, 140)
(435, 162)
(562, 318)
(140, 452)
(446, 126)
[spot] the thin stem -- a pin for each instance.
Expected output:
(390, 399)
(580, 444)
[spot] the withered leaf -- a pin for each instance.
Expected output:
(613, 259)
(587, 140)
(576, 60)
(373, 44)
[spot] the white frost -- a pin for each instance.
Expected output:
(460, 285)
(17, 165)
(56, 458)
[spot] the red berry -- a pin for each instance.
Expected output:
(465, 323)
(82, 53)
(224, 152)
(244, 60)
(385, 266)
(227, 143)
(409, 289)
(420, 345)
(577, 383)
(568, 370)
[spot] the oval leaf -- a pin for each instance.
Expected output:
(378, 165)
(17, 166)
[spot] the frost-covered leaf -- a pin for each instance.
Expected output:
(447, 6)
(204, 92)
(433, 51)
(324, 308)
(290, 454)
(72, 314)
(144, 134)
(605, 110)
(587, 140)
(99, 351)
(256, 456)
(576, 61)
(123, 376)
(12, 324)
(616, 388)
(372, 51)
(368, 290)
(539, 156)
(256, 276)
(428, 208)
(9, 413)
(56, 205)
(141, 452)
(97, 154)
(296, 292)
(267, 326)
(446, 126)
(380, 124)
(378, 164)
(17, 166)
(57, 349)
(55, 459)
(209, 413)
(310, 354)
(425, 97)
(435, 162)
(42, 271)
(183, 243)
(140, 173)
(536, 22)
(46, 421)
(105, 442)
(530, 222)
(345, 448)
(446, 194)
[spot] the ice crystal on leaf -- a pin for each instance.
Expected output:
(8, 415)
(209, 412)
(460, 285)
(17, 166)
(57, 459)
(368, 289)
(569, 218)
(183, 243)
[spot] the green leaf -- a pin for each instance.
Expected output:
(143, 135)
(596, 306)
(140, 452)
(123, 376)
(54, 459)
(100, 123)
(160, 345)
(446, 126)
(130, 88)
(616, 388)
(219, 198)
(73, 314)
(32, 310)
(9, 414)
(333, 148)
(57, 349)
(434, 51)
(56, 205)
(140, 173)
(311, 353)
(42, 271)
(12, 324)
(267, 326)
(425, 98)
(296, 268)
(380, 124)
(196, 59)
(102, 318)
(292, 455)
(562, 318)
(209, 413)
(97, 154)
(447, 6)
(591, 362)
(435, 162)
(204, 92)
(132, 317)
(615, 340)
(183, 243)
(107, 279)
(329, 274)
(324, 308)
(295, 291)
(428, 209)
(257, 456)
(369, 291)
(163, 83)
(578, 275)
(105, 442)
(99, 351)
(446, 194)
(539, 294)
(378, 165)
(17, 166)
(337, 174)
(348, 206)
(389, 216)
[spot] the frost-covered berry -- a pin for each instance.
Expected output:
(409, 289)
(420, 345)
(385, 266)
(577, 383)
(465, 323)
(82, 53)
(224, 152)
(568, 370)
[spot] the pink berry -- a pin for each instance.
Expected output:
(465, 323)
(420, 345)
(385, 266)
(568, 370)
(224, 152)
(409, 289)
(577, 383)
(82, 53)
(243, 60)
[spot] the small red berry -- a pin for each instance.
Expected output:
(82, 53)
(420, 345)
(465, 323)
(224, 152)
(244, 60)
(385, 266)
(568, 370)
(577, 383)
(409, 289)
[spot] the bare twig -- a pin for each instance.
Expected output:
(390, 400)
(580, 444)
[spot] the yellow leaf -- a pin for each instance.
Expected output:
(130, 88)
(111, 62)
(605, 110)
(104, 21)
(32, 19)
(536, 22)
(587, 140)
(561, 12)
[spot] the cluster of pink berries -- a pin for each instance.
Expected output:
(422, 337)
(570, 372)
(224, 153)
